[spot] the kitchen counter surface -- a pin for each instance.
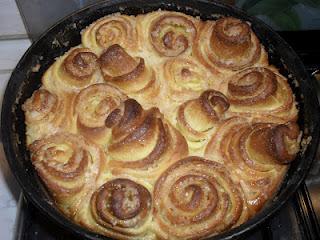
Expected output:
(13, 43)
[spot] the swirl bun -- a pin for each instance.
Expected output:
(198, 117)
(262, 94)
(155, 142)
(77, 69)
(92, 106)
(120, 208)
(46, 113)
(130, 74)
(196, 198)
(69, 166)
(110, 30)
(255, 154)
(168, 34)
(185, 78)
(228, 44)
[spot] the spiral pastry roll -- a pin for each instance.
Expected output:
(92, 106)
(168, 34)
(228, 44)
(77, 69)
(69, 166)
(185, 78)
(196, 198)
(120, 208)
(46, 113)
(128, 73)
(256, 154)
(197, 118)
(110, 30)
(262, 94)
(142, 142)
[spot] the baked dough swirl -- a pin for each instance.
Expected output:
(110, 30)
(92, 106)
(256, 155)
(155, 141)
(75, 70)
(169, 34)
(196, 198)
(131, 74)
(185, 77)
(261, 94)
(69, 166)
(120, 208)
(228, 44)
(197, 118)
(45, 114)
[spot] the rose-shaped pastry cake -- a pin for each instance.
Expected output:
(163, 126)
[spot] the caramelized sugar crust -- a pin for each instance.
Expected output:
(162, 126)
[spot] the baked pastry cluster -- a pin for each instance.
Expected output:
(162, 126)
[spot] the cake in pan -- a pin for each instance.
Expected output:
(162, 126)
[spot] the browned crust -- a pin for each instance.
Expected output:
(172, 44)
(128, 73)
(80, 64)
(234, 51)
(255, 154)
(109, 207)
(196, 175)
(137, 126)
(210, 105)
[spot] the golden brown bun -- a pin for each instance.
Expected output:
(185, 77)
(197, 118)
(167, 34)
(261, 94)
(132, 75)
(228, 44)
(75, 70)
(143, 143)
(120, 208)
(255, 154)
(110, 30)
(47, 113)
(162, 126)
(92, 106)
(195, 198)
(69, 165)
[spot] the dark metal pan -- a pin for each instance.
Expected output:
(66, 34)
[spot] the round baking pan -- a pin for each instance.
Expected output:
(65, 34)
